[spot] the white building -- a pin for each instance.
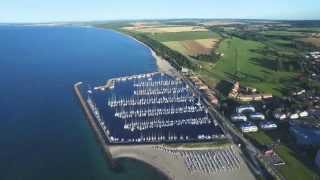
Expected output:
(238, 118)
(268, 125)
(279, 116)
(304, 114)
(245, 108)
(257, 116)
(248, 127)
(294, 116)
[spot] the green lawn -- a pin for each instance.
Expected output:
(240, 61)
(181, 36)
(293, 169)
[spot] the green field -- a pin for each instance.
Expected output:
(309, 29)
(293, 169)
(181, 36)
(175, 45)
(252, 69)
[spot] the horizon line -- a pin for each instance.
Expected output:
(157, 19)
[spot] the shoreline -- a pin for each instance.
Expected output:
(162, 64)
(163, 162)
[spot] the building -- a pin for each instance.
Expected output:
(268, 125)
(238, 118)
(247, 127)
(247, 95)
(185, 71)
(245, 108)
(279, 115)
(257, 116)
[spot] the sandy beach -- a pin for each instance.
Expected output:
(174, 166)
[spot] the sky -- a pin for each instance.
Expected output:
(89, 10)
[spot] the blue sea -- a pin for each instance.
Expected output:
(43, 131)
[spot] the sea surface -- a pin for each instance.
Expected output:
(43, 131)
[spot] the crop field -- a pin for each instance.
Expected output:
(313, 40)
(167, 29)
(192, 47)
(181, 36)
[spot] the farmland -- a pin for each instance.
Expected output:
(241, 61)
(181, 36)
(313, 40)
(192, 47)
(165, 29)
(188, 43)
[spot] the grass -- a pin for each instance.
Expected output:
(192, 47)
(178, 46)
(294, 169)
(252, 69)
(181, 36)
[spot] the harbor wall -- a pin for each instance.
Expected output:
(92, 122)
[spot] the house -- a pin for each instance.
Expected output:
(185, 71)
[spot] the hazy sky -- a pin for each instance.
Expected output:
(82, 10)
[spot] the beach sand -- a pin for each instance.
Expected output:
(173, 166)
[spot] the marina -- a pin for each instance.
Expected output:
(150, 108)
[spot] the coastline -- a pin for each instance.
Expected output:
(163, 162)
(162, 64)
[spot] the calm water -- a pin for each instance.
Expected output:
(43, 133)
